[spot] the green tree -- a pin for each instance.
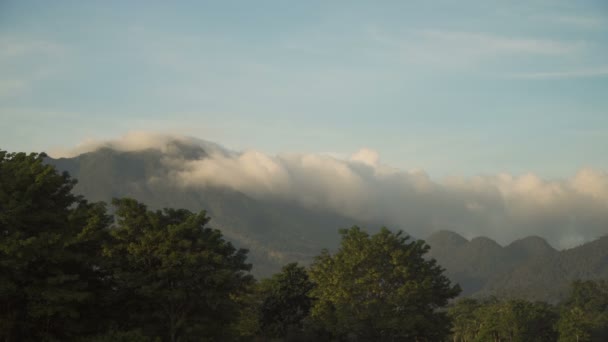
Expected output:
(286, 302)
(508, 320)
(49, 252)
(174, 277)
(381, 288)
(517, 320)
(466, 322)
(584, 314)
(574, 325)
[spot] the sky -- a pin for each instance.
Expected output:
(455, 88)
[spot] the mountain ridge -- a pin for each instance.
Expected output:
(278, 231)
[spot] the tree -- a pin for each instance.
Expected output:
(381, 287)
(49, 252)
(286, 301)
(466, 322)
(176, 278)
(574, 325)
(516, 320)
(507, 320)
(584, 314)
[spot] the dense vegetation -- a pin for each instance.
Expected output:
(76, 271)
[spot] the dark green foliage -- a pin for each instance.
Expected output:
(517, 320)
(509, 320)
(174, 277)
(49, 252)
(286, 302)
(122, 336)
(67, 274)
(380, 287)
(466, 321)
(584, 314)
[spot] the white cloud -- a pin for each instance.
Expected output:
(137, 141)
(504, 207)
(367, 156)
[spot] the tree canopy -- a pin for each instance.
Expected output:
(584, 314)
(286, 302)
(49, 252)
(175, 276)
(381, 287)
(66, 271)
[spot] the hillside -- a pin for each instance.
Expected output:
(277, 231)
(528, 268)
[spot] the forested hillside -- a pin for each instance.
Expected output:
(278, 232)
(72, 270)
(528, 268)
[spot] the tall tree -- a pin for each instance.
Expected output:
(381, 287)
(49, 252)
(286, 301)
(584, 314)
(465, 321)
(507, 320)
(516, 320)
(176, 277)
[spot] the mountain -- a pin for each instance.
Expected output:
(528, 268)
(469, 263)
(278, 231)
(275, 232)
(547, 276)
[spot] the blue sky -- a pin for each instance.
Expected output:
(451, 87)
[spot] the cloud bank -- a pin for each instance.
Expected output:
(503, 207)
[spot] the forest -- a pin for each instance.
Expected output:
(74, 270)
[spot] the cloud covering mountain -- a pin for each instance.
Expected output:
(504, 207)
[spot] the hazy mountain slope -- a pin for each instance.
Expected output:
(275, 232)
(469, 263)
(547, 276)
(528, 248)
(527, 268)
(278, 231)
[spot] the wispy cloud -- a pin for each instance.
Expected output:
(576, 73)
(19, 72)
(460, 48)
(12, 46)
(580, 21)
(12, 87)
(483, 44)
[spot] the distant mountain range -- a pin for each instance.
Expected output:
(277, 232)
(527, 268)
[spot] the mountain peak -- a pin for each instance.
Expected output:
(482, 241)
(531, 245)
(446, 238)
